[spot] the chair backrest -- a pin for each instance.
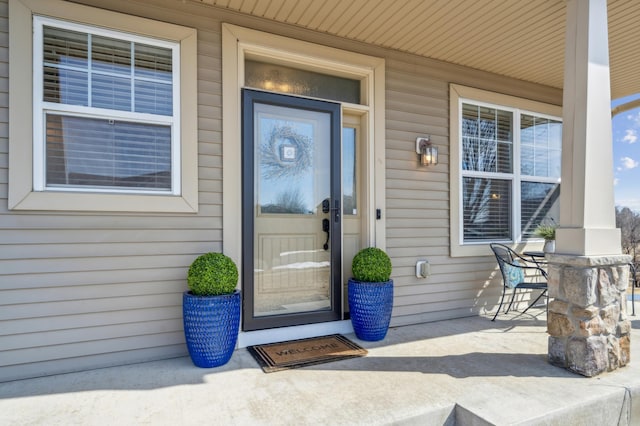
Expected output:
(502, 252)
(510, 267)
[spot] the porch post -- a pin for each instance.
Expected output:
(588, 275)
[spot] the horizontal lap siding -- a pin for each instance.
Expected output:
(84, 290)
(417, 203)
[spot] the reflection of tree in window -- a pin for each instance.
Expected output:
(286, 166)
(288, 201)
(486, 147)
(486, 139)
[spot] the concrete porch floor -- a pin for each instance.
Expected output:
(468, 371)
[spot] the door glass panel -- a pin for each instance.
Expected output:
(292, 254)
(349, 172)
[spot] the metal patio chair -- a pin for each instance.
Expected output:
(518, 273)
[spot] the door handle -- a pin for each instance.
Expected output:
(326, 205)
(325, 228)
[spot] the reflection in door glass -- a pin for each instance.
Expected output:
(285, 166)
(349, 202)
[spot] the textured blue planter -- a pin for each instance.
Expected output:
(370, 306)
(211, 326)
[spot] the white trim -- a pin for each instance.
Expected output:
(249, 338)
(239, 43)
(458, 94)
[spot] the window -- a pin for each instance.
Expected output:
(507, 167)
(105, 103)
(285, 79)
(113, 121)
(349, 171)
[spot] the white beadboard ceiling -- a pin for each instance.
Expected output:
(517, 38)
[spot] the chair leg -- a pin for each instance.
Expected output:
(536, 301)
(513, 296)
(499, 307)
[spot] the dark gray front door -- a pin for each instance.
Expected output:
(291, 210)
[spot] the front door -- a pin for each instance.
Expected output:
(291, 210)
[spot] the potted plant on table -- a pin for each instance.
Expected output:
(211, 310)
(371, 294)
(548, 232)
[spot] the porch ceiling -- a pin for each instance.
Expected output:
(522, 39)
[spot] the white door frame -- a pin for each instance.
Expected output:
(239, 43)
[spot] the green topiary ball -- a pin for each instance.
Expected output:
(371, 265)
(212, 274)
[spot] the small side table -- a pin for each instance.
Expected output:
(537, 257)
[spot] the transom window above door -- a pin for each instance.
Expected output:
(284, 79)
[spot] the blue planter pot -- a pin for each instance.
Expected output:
(211, 326)
(370, 306)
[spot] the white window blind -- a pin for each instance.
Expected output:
(107, 153)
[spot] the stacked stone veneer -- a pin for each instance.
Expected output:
(589, 332)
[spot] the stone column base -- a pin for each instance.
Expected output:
(589, 332)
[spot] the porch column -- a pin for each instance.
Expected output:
(588, 275)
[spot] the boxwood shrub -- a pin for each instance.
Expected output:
(371, 265)
(212, 274)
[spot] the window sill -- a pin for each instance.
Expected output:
(65, 201)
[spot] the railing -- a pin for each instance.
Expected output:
(634, 283)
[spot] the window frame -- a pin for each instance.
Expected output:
(518, 106)
(27, 189)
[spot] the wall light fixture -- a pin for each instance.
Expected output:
(427, 151)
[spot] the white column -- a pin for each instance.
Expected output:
(587, 215)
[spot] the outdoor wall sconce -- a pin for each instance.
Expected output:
(427, 151)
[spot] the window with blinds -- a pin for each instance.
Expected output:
(107, 116)
(510, 168)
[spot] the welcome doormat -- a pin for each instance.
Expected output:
(301, 353)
